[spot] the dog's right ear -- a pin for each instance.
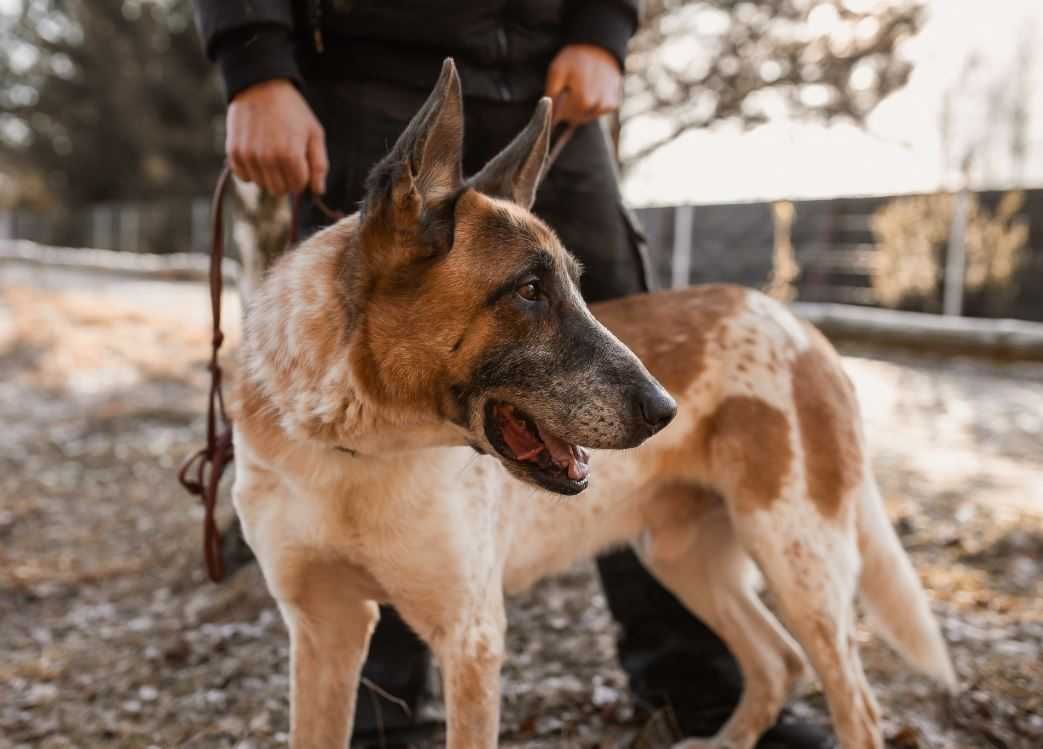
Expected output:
(515, 173)
(423, 168)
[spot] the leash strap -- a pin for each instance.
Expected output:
(566, 133)
(201, 473)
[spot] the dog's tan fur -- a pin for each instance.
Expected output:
(359, 341)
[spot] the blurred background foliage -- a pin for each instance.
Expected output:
(106, 100)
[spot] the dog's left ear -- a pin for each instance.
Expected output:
(515, 172)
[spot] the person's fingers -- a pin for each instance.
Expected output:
(602, 105)
(236, 152)
(560, 106)
(576, 110)
(557, 80)
(293, 166)
(252, 171)
(272, 177)
(260, 160)
(612, 96)
(250, 145)
(573, 108)
(318, 162)
(238, 163)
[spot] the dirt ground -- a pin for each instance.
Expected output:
(110, 637)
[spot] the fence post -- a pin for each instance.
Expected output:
(956, 257)
(200, 225)
(130, 227)
(784, 269)
(101, 227)
(681, 267)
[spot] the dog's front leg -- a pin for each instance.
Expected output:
(329, 638)
(470, 656)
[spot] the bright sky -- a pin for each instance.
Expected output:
(901, 153)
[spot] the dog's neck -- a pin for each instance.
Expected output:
(304, 347)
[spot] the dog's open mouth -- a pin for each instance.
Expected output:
(556, 464)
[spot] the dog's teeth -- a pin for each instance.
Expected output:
(578, 471)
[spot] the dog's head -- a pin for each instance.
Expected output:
(473, 308)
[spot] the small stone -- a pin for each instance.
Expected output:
(42, 694)
(131, 706)
(548, 724)
(261, 723)
(604, 695)
(231, 725)
(140, 624)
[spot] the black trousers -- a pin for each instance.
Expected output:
(668, 655)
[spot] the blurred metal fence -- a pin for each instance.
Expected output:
(833, 243)
(177, 225)
(834, 247)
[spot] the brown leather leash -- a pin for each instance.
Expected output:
(201, 473)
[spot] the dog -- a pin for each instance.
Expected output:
(423, 389)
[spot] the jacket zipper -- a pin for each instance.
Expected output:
(501, 43)
(316, 26)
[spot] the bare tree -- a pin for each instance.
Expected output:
(696, 63)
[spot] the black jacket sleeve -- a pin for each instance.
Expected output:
(251, 40)
(606, 23)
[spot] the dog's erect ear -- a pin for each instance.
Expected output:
(516, 171)
(426, 159)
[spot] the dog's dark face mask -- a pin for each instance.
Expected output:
(480, 296)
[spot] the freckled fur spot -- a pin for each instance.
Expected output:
(747, 441)
(826, 410)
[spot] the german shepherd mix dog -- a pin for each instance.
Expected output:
(443, 322)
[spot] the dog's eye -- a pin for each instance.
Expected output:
(531, 291)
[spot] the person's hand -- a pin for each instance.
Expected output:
(590, 79)
(275, 141)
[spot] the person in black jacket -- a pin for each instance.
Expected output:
(319, 90)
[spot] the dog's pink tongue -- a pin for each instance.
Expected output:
(573, 458)
(522, 443)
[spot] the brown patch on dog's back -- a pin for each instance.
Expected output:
(747, 443)
(827, 413)
(669, 331)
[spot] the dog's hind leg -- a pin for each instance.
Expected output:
(811, 564)
(694, 553)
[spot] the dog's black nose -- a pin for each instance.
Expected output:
(657, 407)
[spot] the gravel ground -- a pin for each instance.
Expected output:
(110, 636)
